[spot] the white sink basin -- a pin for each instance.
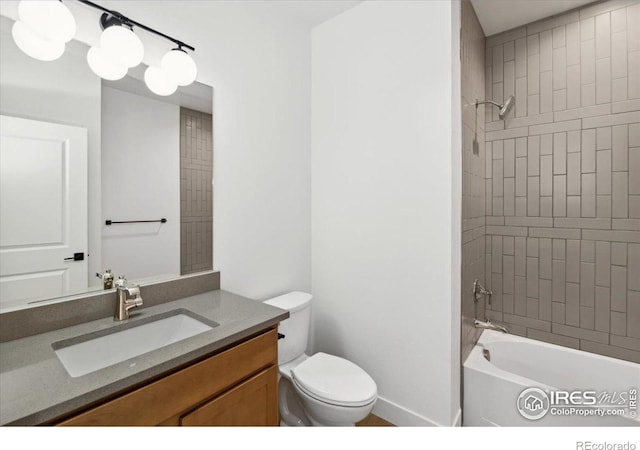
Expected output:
(99, 350)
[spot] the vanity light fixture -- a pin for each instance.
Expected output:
(121, 49)
(43, 28)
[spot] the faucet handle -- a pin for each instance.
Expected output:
(479, 290)
(107, 279)
(121, 281)
(134, 290)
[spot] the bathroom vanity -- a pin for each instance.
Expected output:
(237, 386)
(226, 375)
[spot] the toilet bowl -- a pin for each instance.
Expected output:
(321, 389)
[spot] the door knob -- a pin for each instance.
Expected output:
(76, 257)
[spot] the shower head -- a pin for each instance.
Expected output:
(506, 107)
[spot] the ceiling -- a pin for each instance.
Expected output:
(309, 12)
(312, 12)
(496, 16)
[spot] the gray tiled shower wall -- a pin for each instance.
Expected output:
(196, 193)
(562, 179)
(473, 215)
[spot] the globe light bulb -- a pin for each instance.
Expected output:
(122, 45)
(34, 45)
(159, 82)
(51, 20)
(180, 66)
(104, 66)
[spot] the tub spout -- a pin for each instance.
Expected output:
(487, 325)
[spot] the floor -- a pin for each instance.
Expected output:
(374, 421)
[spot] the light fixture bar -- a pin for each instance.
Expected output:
(130, 22)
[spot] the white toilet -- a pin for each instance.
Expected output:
(317, 390)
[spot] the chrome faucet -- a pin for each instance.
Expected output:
(487, 325)
(128, 297)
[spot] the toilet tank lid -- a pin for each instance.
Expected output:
(293, 301)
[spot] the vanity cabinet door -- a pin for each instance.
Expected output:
(252, 403)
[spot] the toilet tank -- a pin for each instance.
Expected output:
(296, 327)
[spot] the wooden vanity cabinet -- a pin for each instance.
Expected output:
(236, 387)
(252, 403)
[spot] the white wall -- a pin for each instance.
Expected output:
(385, 220)
(140, 181)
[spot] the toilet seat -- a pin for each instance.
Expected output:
(334, 380)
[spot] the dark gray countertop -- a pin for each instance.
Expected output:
(35, 388)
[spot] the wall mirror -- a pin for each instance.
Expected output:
(79, 156)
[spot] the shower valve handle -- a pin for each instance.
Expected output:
(479, 290)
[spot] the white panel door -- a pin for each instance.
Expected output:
(43, 210)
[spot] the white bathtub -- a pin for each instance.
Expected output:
(492, 388)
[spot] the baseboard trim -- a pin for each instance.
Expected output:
(401, 416)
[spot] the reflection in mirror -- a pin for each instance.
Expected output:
(78, 151)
